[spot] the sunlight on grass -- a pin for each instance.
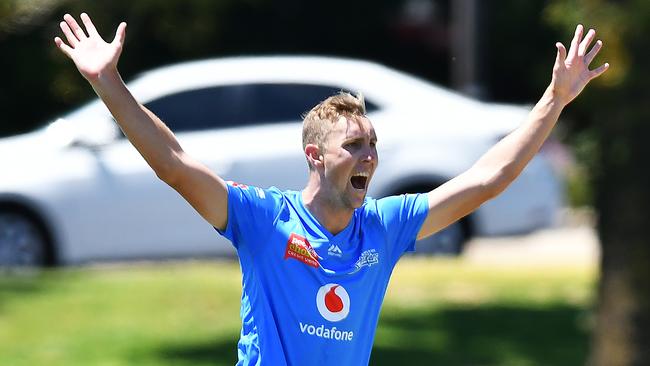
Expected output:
(437, 311)
(117, 315)
(450, 312)
(426, 281)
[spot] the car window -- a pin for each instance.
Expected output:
(286, 102)
(240, 105)
(201, 109)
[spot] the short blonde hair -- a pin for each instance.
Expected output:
(318, 122)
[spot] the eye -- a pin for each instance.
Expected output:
(353, 144)
(373, 143)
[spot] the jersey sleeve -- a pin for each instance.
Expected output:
(252, 212)
(402, 217)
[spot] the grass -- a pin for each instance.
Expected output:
(452, 313)
(437, 312)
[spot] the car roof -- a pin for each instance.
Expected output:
(379, 83)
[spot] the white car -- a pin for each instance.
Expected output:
(77, 191)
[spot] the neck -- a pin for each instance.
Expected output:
(329, 213)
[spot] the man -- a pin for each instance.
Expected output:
(316, 263)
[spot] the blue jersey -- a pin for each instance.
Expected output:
(310, 297)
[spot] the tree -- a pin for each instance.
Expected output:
(41, 84)
(617, 118)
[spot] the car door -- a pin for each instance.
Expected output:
(249, 133)
(142, 217)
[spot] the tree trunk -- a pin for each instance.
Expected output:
(622, 333)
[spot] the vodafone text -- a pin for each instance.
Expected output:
(327, 333)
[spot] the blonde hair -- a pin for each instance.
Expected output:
(318, 122)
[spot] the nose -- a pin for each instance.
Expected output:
(370, 154)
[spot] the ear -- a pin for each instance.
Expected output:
(314, 156)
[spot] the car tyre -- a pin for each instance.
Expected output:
(22, 241)
(449, 242)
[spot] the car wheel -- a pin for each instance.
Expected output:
(450, 241)
(22, 243)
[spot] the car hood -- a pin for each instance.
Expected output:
(29, 159)
(29, 146)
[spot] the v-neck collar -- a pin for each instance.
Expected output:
(315, 224)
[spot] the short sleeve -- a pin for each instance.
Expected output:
(402, 217)
(251, 213)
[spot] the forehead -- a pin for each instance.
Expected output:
(353, 127)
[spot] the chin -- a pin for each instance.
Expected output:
(357, 201)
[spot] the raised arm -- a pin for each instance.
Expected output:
(97, 61)
(497, 168)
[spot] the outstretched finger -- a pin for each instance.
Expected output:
(573, 50)
(120, 34)
(594, 51)
(63, 47)
(599, 71)
(561, 54)
(75, 27)
(72, 39)
(586, 42)
(90, 27)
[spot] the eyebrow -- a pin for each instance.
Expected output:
(353, 139)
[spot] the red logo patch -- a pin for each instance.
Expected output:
(235, 184)
(299, 248)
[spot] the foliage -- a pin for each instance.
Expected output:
(616, 118)
(608, 107)
(607, 121)
(518, 50)
(42, 83)
(610, 120)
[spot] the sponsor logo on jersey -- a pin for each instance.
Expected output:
(325, 332)
(333, 302)
(334, 251)
(299, 248)
(235, 184)
(259, 191)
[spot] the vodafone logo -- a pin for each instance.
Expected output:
(333, 302)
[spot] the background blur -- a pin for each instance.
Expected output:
(452, 312)
(507, 59)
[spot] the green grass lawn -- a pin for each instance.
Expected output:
(437, 312)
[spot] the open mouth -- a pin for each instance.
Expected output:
(359, 180)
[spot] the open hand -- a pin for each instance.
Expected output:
(91, 54)
(571, 71)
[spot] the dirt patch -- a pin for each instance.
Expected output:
(573, 242)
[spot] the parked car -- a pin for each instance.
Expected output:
(77, 191)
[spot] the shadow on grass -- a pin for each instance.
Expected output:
(214, 353)
(23, 283)
(483, 335)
